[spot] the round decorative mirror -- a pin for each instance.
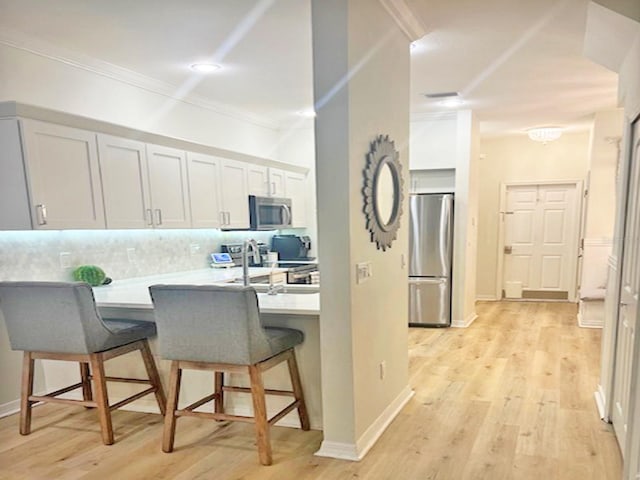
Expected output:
(382, 192)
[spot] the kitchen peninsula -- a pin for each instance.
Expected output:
(129, 298)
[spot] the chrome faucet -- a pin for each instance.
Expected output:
(249, 244)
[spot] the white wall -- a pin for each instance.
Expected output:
(606, 133)
(518, 159)
(433, 141)
(465, 235)
(38, 80)
(361, 80)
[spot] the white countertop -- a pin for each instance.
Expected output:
(134, 292)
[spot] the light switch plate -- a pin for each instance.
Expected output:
(363, 272)
(65, 260)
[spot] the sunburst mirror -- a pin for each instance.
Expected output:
(382, 192)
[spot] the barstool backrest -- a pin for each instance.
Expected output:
(209, 324)
(58, 317)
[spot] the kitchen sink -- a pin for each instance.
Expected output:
(288, 288)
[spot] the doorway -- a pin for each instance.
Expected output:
(539, 240)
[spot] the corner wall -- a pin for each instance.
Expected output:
(361, 82)
(518, 159)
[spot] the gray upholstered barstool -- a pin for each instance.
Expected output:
(59, 321)
(219, 329)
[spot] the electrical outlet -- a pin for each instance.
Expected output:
(131, 255)
(194, 248)
(363, 272)
(65, 260)
(383, 369)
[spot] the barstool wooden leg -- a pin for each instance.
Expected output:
(87, 393)
(26, 392)
(219, 400)
(152, 372)
(260, 414)
(297, 390)
(102, 398)
(169, 433)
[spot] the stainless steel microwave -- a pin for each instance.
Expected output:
(269, 213)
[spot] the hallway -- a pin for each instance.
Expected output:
(511, 397)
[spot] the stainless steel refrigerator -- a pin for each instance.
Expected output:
(430, 257)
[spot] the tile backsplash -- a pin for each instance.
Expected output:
(52, 255)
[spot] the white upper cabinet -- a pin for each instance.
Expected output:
(64, 177)
(168, 187)
(125, 183)
(277, 187)
(296, 190)
(258, 180)
(204, 190)
(145, 186)
(234, 194)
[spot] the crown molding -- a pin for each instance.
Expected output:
(20, 41)
(406, 19)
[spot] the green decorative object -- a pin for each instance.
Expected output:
(90, 274)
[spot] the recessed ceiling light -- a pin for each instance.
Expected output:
(310, 113)
(205, 67)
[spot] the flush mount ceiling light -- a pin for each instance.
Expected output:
(205, 67)
(544, 134)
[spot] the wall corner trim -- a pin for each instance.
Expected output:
(356, 451)
(466, 322)
(600, 404)
(406, 19)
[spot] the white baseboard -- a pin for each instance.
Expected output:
(588, 324)
(486, 298)
(600, 403)
(339, 450)
(9, 408)
(464, 323)
(356, 451)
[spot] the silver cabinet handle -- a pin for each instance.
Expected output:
(221, 218)
(41, 211)
(159, 216)
(228, 218)
(148, 216)
(273, 188)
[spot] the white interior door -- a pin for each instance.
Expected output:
(628, 315)
(540, 241)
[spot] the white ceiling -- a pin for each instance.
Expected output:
(518, 63)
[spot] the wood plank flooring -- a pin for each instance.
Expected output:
(511, 397)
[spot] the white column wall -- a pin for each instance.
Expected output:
(361, 80)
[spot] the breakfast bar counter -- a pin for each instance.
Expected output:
(129, 298)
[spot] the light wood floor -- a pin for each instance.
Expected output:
(509, 398)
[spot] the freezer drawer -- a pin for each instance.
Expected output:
(429, 302)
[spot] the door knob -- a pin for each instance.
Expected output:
(508, 249)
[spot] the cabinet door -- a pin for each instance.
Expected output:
(64, 176)
(123, 164)
(234, 194)
(168, 187)
(204, 190)
(295, 189)
(277, 186)
(258, 180)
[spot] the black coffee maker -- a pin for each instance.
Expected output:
(292, 247)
